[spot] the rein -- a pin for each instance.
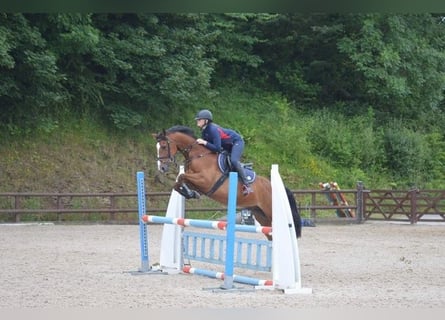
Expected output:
(185, 152)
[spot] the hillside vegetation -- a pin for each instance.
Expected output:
(84, 156)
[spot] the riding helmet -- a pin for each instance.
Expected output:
(204, 114)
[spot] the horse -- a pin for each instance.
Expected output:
(203, 175)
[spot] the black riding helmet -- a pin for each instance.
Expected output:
(204, 114)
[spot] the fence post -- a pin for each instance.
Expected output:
(359, 202)
(313, 203)
(112, 207)
(17, 206)
(59, 207)
(413, 203)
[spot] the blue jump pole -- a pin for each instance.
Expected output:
(231, 221)
(142, 226)
(143, 233)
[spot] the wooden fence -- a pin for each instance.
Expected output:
(388, 205)
(412, 205)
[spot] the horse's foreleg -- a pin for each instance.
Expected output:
(188, 193)
(183, 189)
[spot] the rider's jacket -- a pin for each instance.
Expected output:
(219, 138)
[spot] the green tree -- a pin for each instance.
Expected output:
(152, 65)
(400, 60)
(31, 85)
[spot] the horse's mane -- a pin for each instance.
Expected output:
(183, 129)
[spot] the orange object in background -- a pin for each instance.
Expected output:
(336, 198)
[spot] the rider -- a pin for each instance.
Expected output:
(216, 139)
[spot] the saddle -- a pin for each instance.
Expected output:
(225, 166)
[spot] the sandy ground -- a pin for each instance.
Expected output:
(373, 265)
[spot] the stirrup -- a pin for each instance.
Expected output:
(247, 189)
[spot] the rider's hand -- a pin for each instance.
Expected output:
(201, 141)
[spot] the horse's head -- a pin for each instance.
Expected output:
(166, 151)
(169, 142)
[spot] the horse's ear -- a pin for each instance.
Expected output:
(159, 135)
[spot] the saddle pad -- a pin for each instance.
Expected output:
(224, 167)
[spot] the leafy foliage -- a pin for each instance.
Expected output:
(401, 59)
(338, 94)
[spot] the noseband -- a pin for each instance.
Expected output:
(169, 156)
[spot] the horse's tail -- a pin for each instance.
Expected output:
(295, 214)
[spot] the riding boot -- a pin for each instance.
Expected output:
(246, 187)
(187, 192)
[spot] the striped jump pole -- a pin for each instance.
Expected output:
(205, 224)
(221, 276)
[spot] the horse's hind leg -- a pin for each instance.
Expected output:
(262, 219)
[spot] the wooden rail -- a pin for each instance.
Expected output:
(412, 205)
(396, 205)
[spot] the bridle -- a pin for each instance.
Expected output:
(184, 151)
(169, 156)
(172, 158)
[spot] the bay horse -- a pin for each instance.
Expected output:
(202, 175)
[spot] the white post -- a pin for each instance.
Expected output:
(171, 259)
(285, 254)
